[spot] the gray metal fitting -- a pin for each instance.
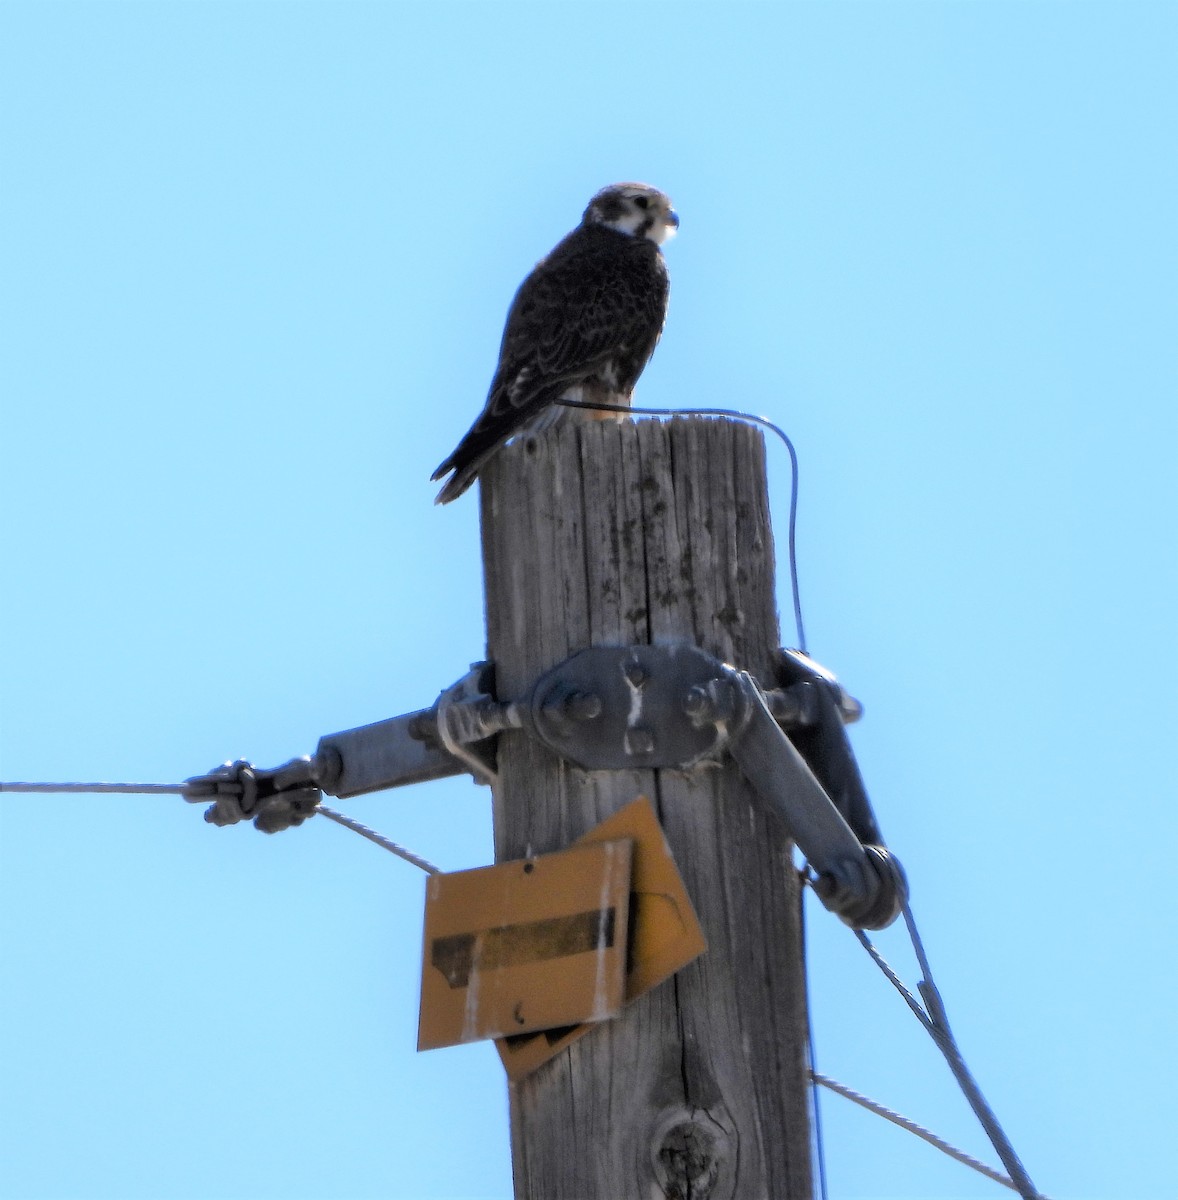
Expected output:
(710, 703)
(566, 706)
(638, 741)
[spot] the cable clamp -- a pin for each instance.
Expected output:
(273, 799)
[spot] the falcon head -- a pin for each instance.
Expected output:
(636, 209)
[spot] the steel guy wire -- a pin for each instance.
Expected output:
(995, 1132)
(933, 1019)
(379, 838)
(158, 789)
(873, 1106)
(152, 789)
(931, 1014)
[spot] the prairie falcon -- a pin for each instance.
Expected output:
(582, 325)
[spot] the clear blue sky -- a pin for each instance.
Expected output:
(254, 262)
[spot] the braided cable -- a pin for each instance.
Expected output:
(933, 1017)
(151, 789)
(379, 838)
(873, 1106)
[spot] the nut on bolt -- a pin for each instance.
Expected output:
(563, 706)
(698, 705)
(707, 703)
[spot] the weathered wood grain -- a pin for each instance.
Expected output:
(602, 533)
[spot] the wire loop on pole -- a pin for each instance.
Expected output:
(752, 419)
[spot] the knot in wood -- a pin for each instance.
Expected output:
(686, 1163)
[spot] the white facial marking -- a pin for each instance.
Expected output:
(645, 214)
(628, 222)
(661, 232)
(632, 220)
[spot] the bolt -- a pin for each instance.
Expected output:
(709, 703)
(698, 705)
(639, 741)
(562, 707)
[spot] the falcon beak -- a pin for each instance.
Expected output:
(672, 218)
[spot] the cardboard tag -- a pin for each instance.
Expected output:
(525, 945)
(665, 932)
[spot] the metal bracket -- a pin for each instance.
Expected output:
(823, 741)
(453, 736)
(615, 707)
(659, 707)
(408, 749)
(860, 881)
(611, 708)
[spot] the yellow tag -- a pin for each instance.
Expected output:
(526, 945)
(665, 932)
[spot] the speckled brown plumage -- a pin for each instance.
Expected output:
(585, 321)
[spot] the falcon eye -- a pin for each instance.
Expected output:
(642, 201)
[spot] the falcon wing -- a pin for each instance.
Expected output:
(598, 299)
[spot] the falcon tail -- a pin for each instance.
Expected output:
(489, 432)
(466, 462)
(462, 478)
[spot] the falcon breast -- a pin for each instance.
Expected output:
(582, 326)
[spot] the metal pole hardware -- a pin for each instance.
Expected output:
(618, 708)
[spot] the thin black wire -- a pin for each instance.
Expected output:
(752, 419)
(815, 1106)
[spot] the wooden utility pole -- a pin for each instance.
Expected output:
(613, 534)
